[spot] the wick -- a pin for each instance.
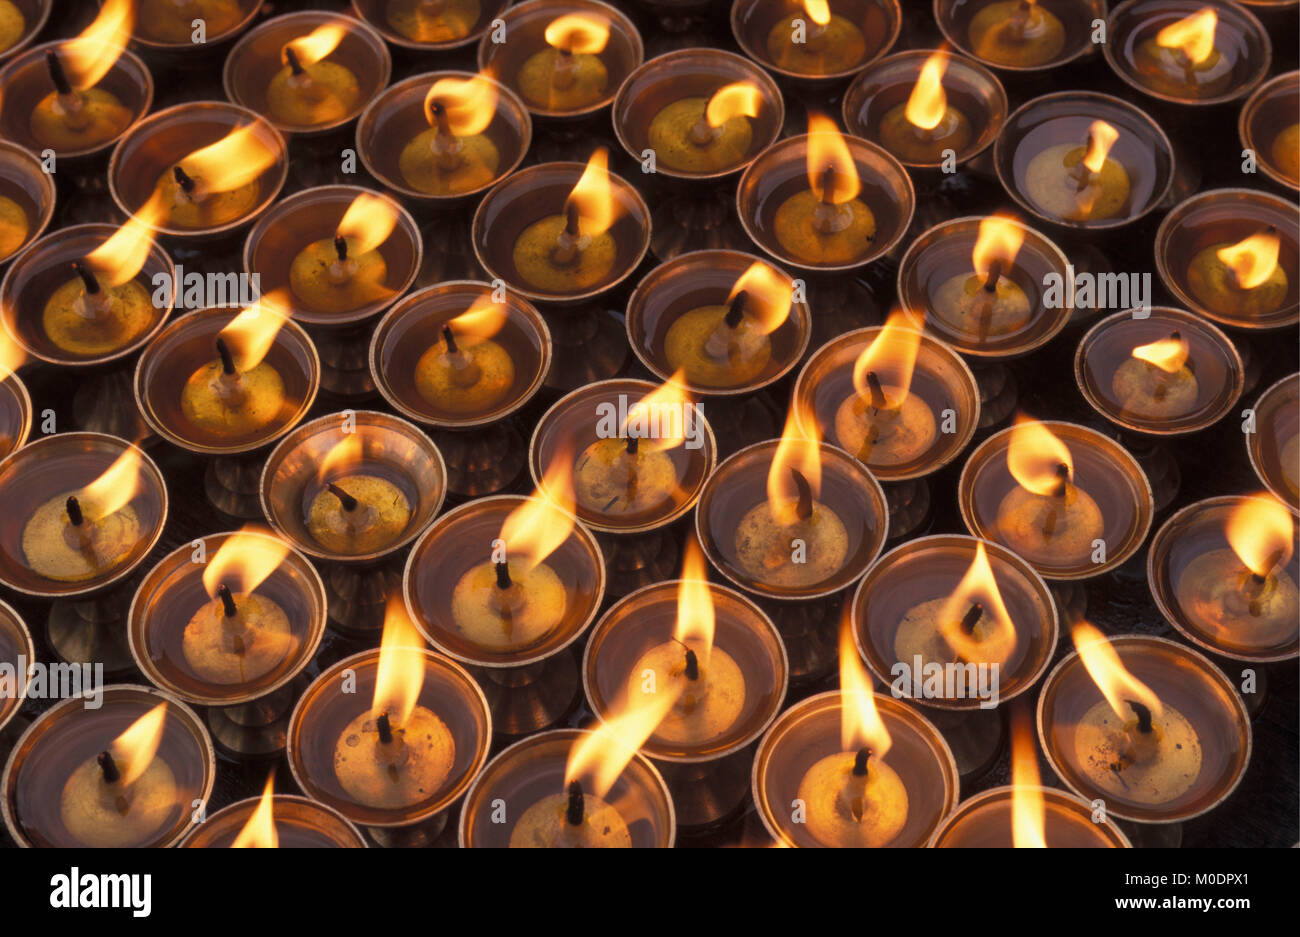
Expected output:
(450, 339)
(227, 359)
(439, 114)
(57, 75)
(87, 278)
(1143, 714)
(503, 575)
(385, 729)
(877, 393)
(1081, 174)
(692, 665)
(1258, 578)
(828, 185)
(736, 309)
(860, 762)
(971, 618)
(184, 180)
(341, 246)
(573, 814)
(349, 503)
(571, 220)
(108, 767)
(74, 511)
(632, 443)
(1063, 480)
(803, 509)
(292, 58)
(227, 601)
(995, 274)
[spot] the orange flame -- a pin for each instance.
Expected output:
(978, 587)
(1101, 137)
(134, 749)
(578, 32)
(469, 104)
(819, 11)
(259, 832)
(88, 58)
(927, 103)
(483, 319)
(769, 296)
(369, 220)
(343, 456)
(593, 196)
(11, 354)
(1252, 260)
(739, 97)
(244, 561)
(1194, 35)
(114, 490)
(317, 44)
(400, 674)
(1260, 532)
(999, 241)
(605, 751)
(123, 255)
(1167, 354)
(537, 528)
(1035, 455)
(695, 618)
(891, 357)
(796, 452)
(1104, 666)
(827, 149)
(1028, 808)
(235, 160)
(665, 411)
(860, 722)
(251, 334)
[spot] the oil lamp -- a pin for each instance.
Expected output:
(456, 133)
(230, 633)
(922, 105)
(815, 40)
(17, 650)
(223, 383)
(825, 202)
(1072, 502)
(1149, 726)
(131, 773)
(166, 27)
(20, 22)
(853, 769)
(308, 72)
(1274, 445)
(1083, 160)
(1224, 571)
(1187, 51)
(391, 738)
(92, 507)
(564, 58)
(77, 96)
(1020, 35)
(428, 25)
(1026, 815)
(959, 625)
(721, 659)
(1231, 255)
(1267, 126)
(451, 358)
(26, 200)
(214, 166)
(275, 821)
(352, 489)
(506, 584)
(571, 789)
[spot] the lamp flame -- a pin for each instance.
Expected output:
(927, 102)
(602, 754)
(1101, 137)
(819, 11)
(891, 357)
(860, 722)
(235, 160)
(666, 408)
(978, 587)
(11, 354)
(1035, 457)
(259, 832)
(317, 44)
(342, 456)
(1028, 809)
(695, 617)
(1252, 260)
(114, 490)
(123, 255)
(827, 150)
(400, 674)
(999, 241)
(537, 528)
(1104, 666)
(1167, 354)
(593, 197)
(483, 319)
(88, 58)
(369, 220)
(468, 104)
(769, 296)
(133, 751)
(796, 452)
(1260, 532)
(1194, 35)
(244, 561)
(578, 32)
(251, 334)
(733, 100)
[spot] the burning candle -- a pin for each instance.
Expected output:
(881, 422)
(987, 303)
(1243, 279)
(216, 184)
(706, 135)
(355, 512)
(454, 155)
(827, 42)
(348, 271)
(920, 130)
(1080, 183)
(1182, 59)
(128, 774)
(1016, 33)
(172, 21)
(465, 371)
(827, 222)
(275, 821)
(569, 74)
(1047, 513)
(310, 89)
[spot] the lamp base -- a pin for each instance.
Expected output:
(526, 699)
(92, 631)
(257, 729)
(481, 461)
(233, 484)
